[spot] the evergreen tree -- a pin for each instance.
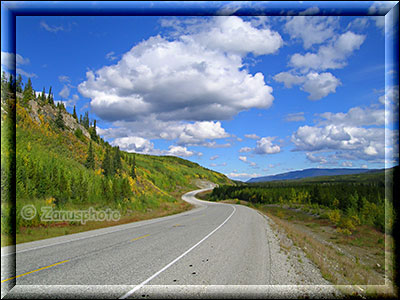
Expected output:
(125, 188)
(11, 85)
(86, 120)
(93, 134)
(78, 133)
(18, 84)
(50, 98)
(43, 96)
(62, 195)
(74, 114)
(107, 164)
(62, 106)
(28, 91)
(80, 119)
(90, 158)
(116, 184)
(59, 120)
(34, 97)
(4, 84)
(353, 201)
(133, 166)
(117, 159)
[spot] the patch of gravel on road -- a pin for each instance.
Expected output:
(289, 263)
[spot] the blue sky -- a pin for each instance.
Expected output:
(245, 96)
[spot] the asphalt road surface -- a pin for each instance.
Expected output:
(214, 244)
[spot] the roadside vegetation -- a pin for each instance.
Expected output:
(347, 201)
(338, 221)
(62, 162)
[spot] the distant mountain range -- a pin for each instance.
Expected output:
(313, 172)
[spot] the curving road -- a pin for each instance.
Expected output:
(213, 244)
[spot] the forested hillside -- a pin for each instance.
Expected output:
(350, 200)
(62, 162)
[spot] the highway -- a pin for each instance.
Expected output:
(213, 244)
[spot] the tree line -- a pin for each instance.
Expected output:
(42, 173)
(363, 201)
(9, 85)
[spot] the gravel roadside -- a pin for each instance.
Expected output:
(289, 263)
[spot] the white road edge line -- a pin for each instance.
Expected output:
(150, 221)
(176, 259)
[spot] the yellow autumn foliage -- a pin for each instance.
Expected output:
(50, 201)
(99, 171)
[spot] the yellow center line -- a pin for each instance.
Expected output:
(138, 238)
(61, 262)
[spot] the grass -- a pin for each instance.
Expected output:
(345, 260)
(50, 165)
(44, 231)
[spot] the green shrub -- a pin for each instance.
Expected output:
(79, 134)
(334, 216)
(344, 231)
(347, 223)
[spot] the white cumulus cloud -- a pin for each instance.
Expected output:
(195, 77)
(289, 79)
(265, 146)
(134, 144)
(332, 56)
(180, 87)
(229, 33)
(179, 151)
(311, 30)
(355, 134)
(320, 85)
(313, 158)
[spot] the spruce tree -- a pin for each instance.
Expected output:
(117, 159)
(43, 96)
(86, 120)
(18, 84)
(33, 95)
(50, 98)
(90, 158)
(107, 164)
(59, 119)
(27, 94)
(93, 132)
(11, 85)
(74, 114)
